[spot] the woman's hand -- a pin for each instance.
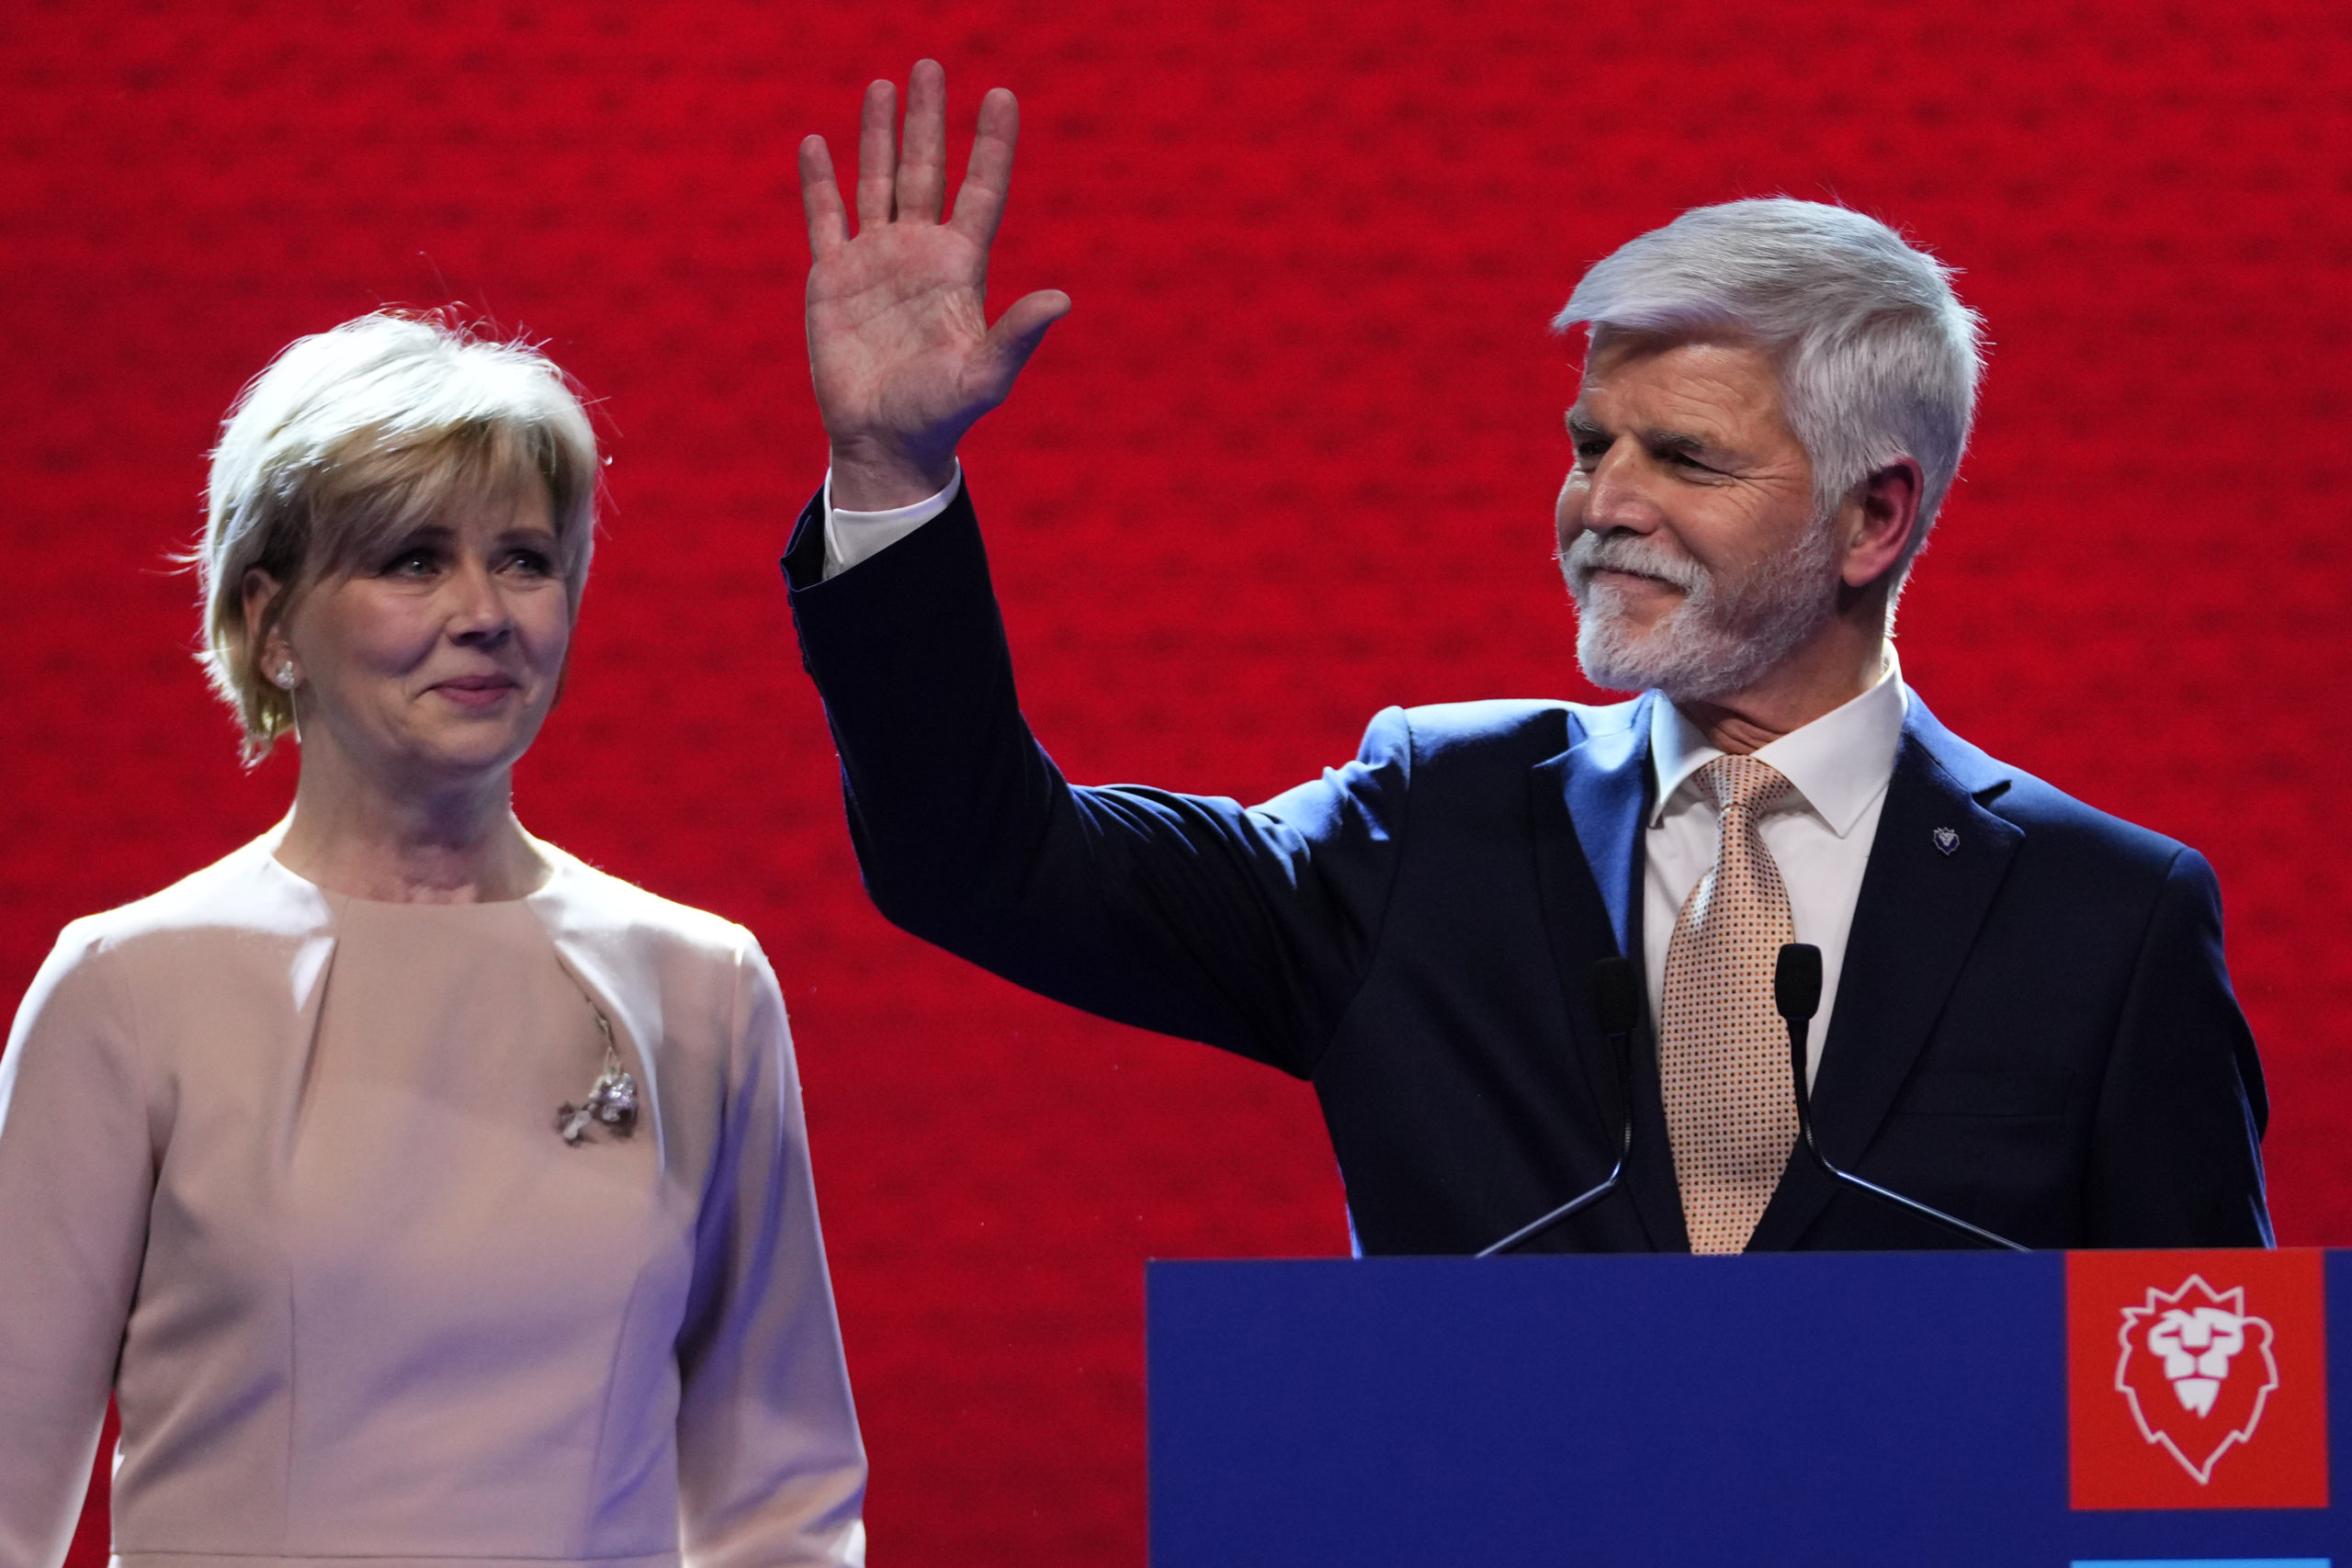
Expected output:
(899, 343)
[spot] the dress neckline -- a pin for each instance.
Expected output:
(552, 857)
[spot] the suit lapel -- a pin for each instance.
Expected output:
(1935, 866)
(1589, 803)
(1604, 783)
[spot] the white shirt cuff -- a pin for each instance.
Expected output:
(854, 536)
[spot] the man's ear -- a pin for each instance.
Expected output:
(1883, 518)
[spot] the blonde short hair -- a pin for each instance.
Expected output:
(352, 439)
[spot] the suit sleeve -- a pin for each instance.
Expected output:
(1248, 929)
(770, 1468)
(76, 1178)
(2176, 1154)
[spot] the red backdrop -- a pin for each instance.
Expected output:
(1291, 459)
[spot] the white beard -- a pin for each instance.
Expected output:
(1722, 638)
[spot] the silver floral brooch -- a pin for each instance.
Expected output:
(611, 1103)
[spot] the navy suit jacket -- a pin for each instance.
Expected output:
(2034, 1029)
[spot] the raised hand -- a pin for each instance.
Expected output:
(899, 341)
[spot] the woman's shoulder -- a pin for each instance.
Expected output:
(244, 895)
(243, 914)
(586, 903)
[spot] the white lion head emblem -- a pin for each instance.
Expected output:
(2191, 1341)
(2197, 1345)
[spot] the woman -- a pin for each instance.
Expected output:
(419, 1191)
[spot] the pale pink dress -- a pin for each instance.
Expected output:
(291, 1160)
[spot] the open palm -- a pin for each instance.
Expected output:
(899, 347)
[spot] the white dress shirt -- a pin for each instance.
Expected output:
(1819, 835)
(853, 537)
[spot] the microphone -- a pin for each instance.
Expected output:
(1617, 997)
(1796, 992)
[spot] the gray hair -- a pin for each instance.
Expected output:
(1878, 358)
(352, 439)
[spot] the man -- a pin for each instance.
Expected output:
(2026, 1020)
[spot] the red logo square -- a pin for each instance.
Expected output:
(2197, 1380)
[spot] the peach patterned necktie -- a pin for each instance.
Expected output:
(1731, 1115)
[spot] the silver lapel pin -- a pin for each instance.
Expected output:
(1946, 839)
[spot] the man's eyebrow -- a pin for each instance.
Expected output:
(1681, 443)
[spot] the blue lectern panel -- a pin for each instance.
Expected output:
(1805, 1409)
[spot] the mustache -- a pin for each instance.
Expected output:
(1630, 553)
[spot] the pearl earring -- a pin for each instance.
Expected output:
(285, 676)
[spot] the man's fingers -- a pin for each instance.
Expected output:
(821, 199)
(1031, 314)
(979, 205)
(923, 157)
(1015, 337)
(878, 163)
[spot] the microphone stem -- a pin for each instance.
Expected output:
(1798, 1028)
(1584, 1200)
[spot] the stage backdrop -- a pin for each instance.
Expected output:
(1291, 459)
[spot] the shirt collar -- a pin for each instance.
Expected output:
(1838, 763)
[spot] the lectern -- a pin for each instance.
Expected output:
(1971, 1409)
